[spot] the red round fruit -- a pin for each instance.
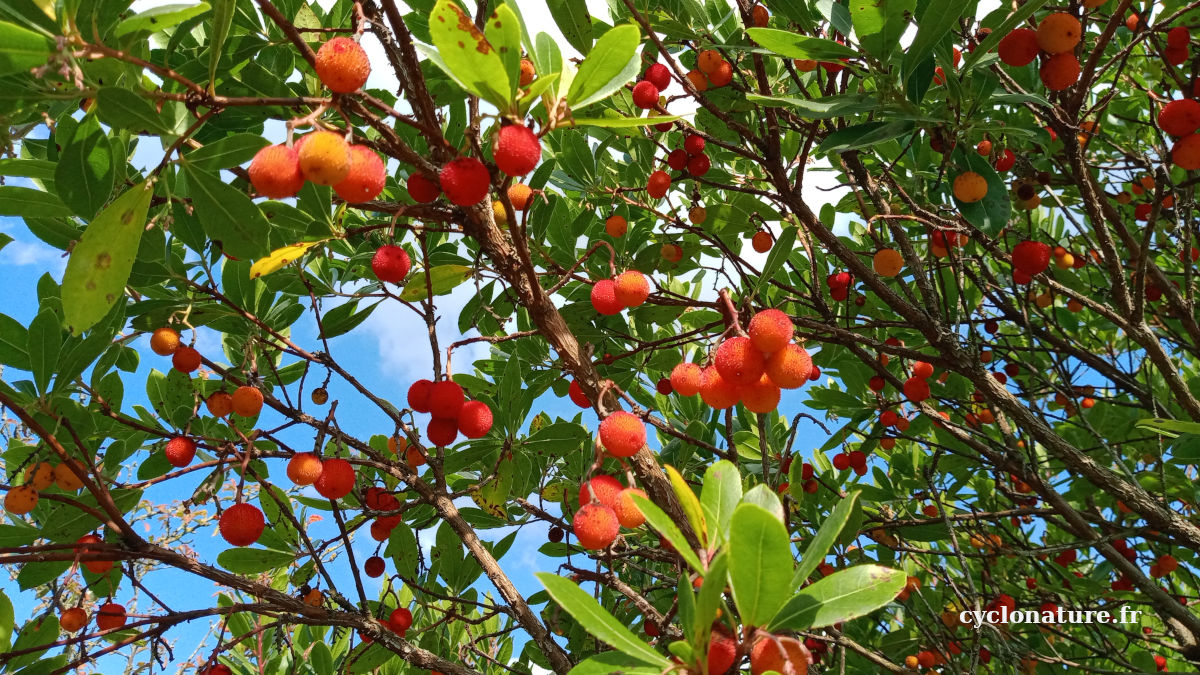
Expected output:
(698, 165)
(596, 526)
(275, 172)
(442, 432)
(658, 75)
(645, 94)
(604, 298)
(423, 190)
(180, 451)
(185, 359)
(1180, 117)
(739, 361)
(366, 179)
(241, 524)
(418, 395)
(391, 263)
(622, 434)
(517, 150)
(1031, 257)
(446, 398)
(336, 480)
(475, 419)
(110, 615)
(677, 159)
(575, 392)
(658, 184)
(465, 181)
(374, 566)
(685, 379)
(1019, 47)
(693, 144)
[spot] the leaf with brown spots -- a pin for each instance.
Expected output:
(467, 56)
(279, 258)
(100, 263)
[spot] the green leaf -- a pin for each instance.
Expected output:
(663, 524)
(720, 495)
(691, 505)
(444, 278)
(1171, 428)
(402, 548)
(828, 107)
(617, 122)
(503, 32)
(86, 170)
(30, 203)
(761, 495)
(841, 596)
(574, 21)
(344, 318)
(780, 250)
(606, 663)
(864, 135)
(159, 18)
(935, 22)
(227, 215)
(467, 56)
(819, 546)
(226, 152)
(989, 43)
(243, 560)
(597, 621)
(760, 563)
(711, 592)
(45, 341)
(22, 49)
(796, 46)
(221, 22)
(878, 24)
(40, 631)
(609, 66)
(122, 109)
(991, 213)
(100, 263)
(7, 619)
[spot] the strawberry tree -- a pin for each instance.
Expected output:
(802, 332)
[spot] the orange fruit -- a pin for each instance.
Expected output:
(40, 476)
(20, 500)
(65, 478)
(888, 262)
(708, 60)
(1058, 33)
(1060, 71)
(970, 187)
(219, 404)
(164, 341)
(342, 65)
(247, 401)
(324, 157)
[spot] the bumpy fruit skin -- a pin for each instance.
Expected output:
(180, 451)
(575, 393)
(40, 476)
(465, 181)
(517, 150)
(645, 94)
(722, 652)
(616, 226)
(716, 391)
(219, 404)
(222, 669)
(970, 187)
(1185, 154)
(678, 159)
(622, 434)
(628, 514)
(631, 288)
(442, 431)
(762, 396)
(698, 165)
(391, 263)
(342, 65)
(247, 401)
(739, 362)
(1058, 33)
(400, 620)
(1180, 117)
(770, 330)
(772, 653)
(1060, 71)
(304, 468)
(521, 196)
(916, 389)
(336, 479)
(658, 184)
(685, 379)
(723, 73)
(528, 72)
(658, 75)
(20, 500)
(275, 172)
(790, 367)
(1018, 48)
(110, 615)
(325, 158)
(73, 619)
(185, 359)
(604, 298)
(1031, 257)
(596, 526)
(241, 524)
(164, 341)
(475, 419)
(422, 190)
(446, 399)
(601, 488)
(1005, 161)
(418, 395)
(366, 178)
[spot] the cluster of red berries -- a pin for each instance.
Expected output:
(690, 156)
(654, 82)
(839, 284)
(356, 172)
(629, 289)
(605, 505)
(452, 412)
(856, 459)
(165, 342)
(379, 499)
(1056, 37)
(1181, 119)
(1029, 259)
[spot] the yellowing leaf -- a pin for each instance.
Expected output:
(280, 257)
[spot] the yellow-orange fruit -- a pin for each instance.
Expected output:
(671, 252)
(275, 172)
(776, 653)
(65, 478)
(708, 60)
(20, 500)
(342, 65)
(762, 396)
(888, 262)
(1058, 33)
(631, 288)
(805, 65)
(601, 488)
(722, 75)
(527, 72)
(366, 177)
(770, 330)
(622, 434)
(596, 526)
(247, 401)
(697, 80)
(304, 468)
(336, 479)
(738, 361)
(716, 391)
(685, 379)
(414, 457)
(325, 158)
(521, 196)
(164, 341)
(697, 214)
(970, 187)
(40, 476)
(789, 367)
(628, 514)
(1060, 71)
(219, 404)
